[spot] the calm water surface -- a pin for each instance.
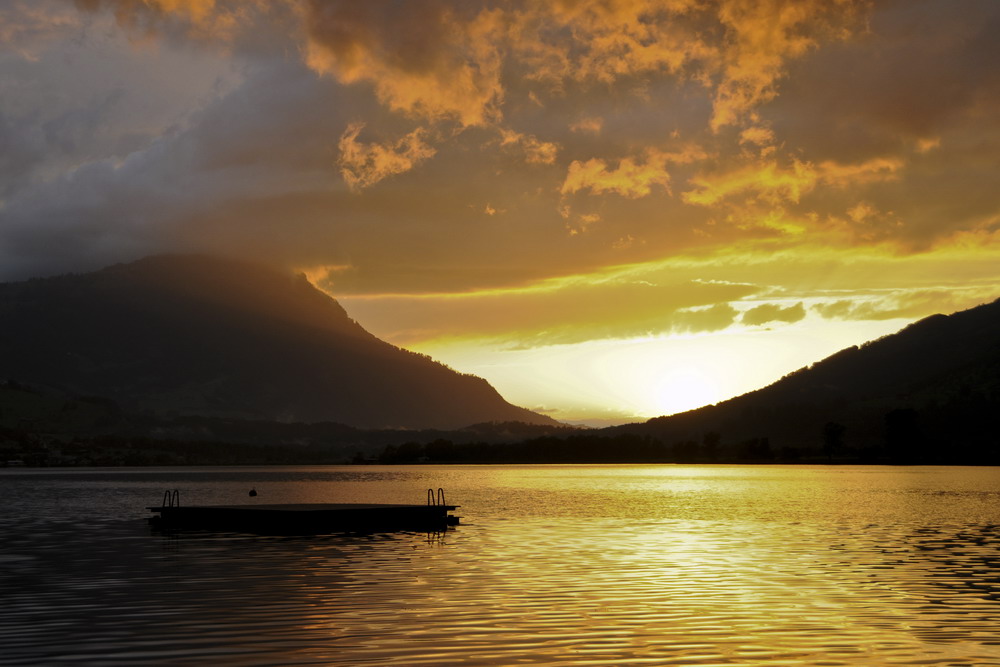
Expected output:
(553, 565)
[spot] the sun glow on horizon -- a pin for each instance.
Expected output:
(685, 388)
(606, 209)
(627, 380)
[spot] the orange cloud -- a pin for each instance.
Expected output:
(535, 150)
(629, 179)
(762, 37)
(759, 136)
(582, 223)
(443, 60)
(447, 61)
(588, 124)
(865, 222)
(795, 142)
(928, 144)
(429, 59)
(607, 40)
(692, 294)
(767, 181)
(739, 49)
(363, 164)
(770, 182)
(870, 171)
(861, 212)
(632, 178)
(556, 312)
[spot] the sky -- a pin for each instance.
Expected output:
(610, 210)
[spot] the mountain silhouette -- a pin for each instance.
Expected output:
(199, 335)
(931, 387)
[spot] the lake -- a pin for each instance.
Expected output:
(552, 565)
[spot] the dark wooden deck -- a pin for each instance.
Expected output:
(308, 518)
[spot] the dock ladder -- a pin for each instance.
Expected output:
(172, 498)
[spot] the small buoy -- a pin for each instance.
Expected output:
(253, 493)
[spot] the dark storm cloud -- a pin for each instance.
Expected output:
(478, 145)
(269, 136)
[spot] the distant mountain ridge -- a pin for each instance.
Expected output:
(933, 386)
(200, 335)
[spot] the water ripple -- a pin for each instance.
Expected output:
(870, 583)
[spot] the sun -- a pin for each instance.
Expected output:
(683, 388)
(651, 376)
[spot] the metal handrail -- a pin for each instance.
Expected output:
(435, 499)
(171, 497)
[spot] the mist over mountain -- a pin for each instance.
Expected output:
(199, 335)
(930, 392)
(188, 348)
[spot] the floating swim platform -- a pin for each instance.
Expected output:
(306, 517)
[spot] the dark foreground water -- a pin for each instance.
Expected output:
(553, 565)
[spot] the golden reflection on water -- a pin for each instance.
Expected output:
(575, 565)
